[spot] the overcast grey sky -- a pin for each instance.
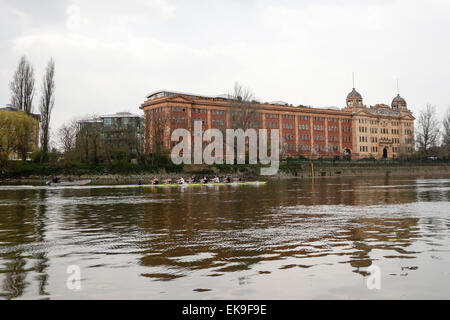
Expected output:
(110, 54)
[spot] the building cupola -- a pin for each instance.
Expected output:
(399, 103)
(354, 99)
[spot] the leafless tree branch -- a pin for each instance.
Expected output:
(46, 104)
(428, 129)
(22, 87)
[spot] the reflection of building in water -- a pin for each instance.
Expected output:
(344, 191)
(202, 220)
(238, 228)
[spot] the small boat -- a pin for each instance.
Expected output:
(68, 183)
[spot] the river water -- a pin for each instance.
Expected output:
(289, 239)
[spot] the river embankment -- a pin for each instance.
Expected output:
(362, 169)
(305, 170)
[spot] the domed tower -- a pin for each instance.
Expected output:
(399, 103)
(354, 99)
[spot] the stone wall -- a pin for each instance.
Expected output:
(369, 170)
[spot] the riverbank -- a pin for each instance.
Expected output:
(369, 169)
(103, 179)
(304, 170)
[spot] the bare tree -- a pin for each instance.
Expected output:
(22, 87)
(94, 136)
(67, 134)
(446, 132)
(157, 124)
(88, 139)
(428, 129)
(244, 114)
(46, 106)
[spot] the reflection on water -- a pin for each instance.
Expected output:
(288, 239)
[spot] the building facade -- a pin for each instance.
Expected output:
(381, 131)
(355, 131)
(119, 131)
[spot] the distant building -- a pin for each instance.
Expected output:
(35, 144)
(356, 131)
(121, 130)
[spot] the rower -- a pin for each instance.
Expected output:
(140, 182)
(216, 180)
(155, 180)
(192, 180)
(227, 179)
(205, 180)
(239, 179)
(181, 180)
(168, 181)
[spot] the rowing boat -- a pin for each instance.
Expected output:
(69, 183)
(254, 183)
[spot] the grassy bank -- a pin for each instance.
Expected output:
(18, 171)
(26, 172)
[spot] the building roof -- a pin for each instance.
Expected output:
(9, 108)
(92, 120)
(116, 115)
(220, 99)
(399, 101)
(121, 115)
(279, 103)
(354, 95)
(224, 97)
(168, 93)
(330, 108)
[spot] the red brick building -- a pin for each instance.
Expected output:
(304, 131)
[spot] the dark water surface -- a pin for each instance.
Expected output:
(289, 239)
